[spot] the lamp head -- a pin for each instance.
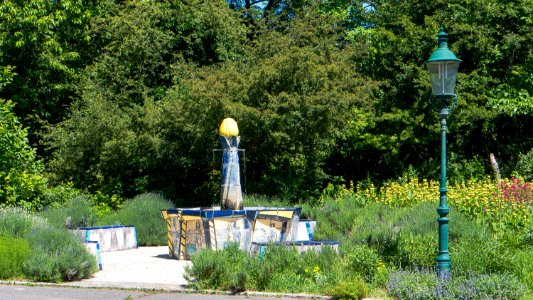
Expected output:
(443, 66)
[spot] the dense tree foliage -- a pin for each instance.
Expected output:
(495, 87)
(117, 139)
(134, 91)
(44, 45)
(21, 179)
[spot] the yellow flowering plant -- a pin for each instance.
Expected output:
(506, 205)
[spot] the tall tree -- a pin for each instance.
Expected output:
(43, 43)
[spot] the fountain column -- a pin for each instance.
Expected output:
(230, 188)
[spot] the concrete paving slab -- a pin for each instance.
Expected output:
(144, 267)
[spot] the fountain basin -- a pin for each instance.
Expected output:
(193, 229)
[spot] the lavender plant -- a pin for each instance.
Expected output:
(425, 284)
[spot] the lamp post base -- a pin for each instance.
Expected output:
(444, 265)
(443, 260)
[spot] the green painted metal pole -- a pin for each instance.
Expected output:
(443, 66)
(443, 260)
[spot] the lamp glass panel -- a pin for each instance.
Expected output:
(443, 75)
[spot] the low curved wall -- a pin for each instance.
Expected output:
(109, 238)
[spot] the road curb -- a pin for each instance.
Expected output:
(162, 288)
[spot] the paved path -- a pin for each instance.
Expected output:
(145, 267)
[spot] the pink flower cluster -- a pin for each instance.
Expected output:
(515, 191)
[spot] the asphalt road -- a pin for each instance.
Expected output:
(23, 292)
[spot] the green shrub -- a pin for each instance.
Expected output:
(64, 194)
(21, 179)
(73, 214)
(336, 219)
(254, 200)
(522, 266)
(60, 194)
(354, 289)
(363, 261)
(482, 256)
(106, 204)
(144, 212)
(402, 236)
(375, 225)
(283, 269)
(417, 250)
(524, 166)
(17, 222)
(463, 169)
(286, 281)
(13, 253)
(485, 254)
(58, 256)
(224, 270)
(381, 277)
(279, 270)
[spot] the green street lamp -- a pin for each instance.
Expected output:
(443, 66)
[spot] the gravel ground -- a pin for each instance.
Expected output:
(145, 267)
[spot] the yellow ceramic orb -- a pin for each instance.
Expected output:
(229, 128)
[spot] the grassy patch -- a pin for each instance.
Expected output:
(13, 253)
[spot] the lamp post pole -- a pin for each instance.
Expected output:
(443, 260)
(443, 66)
